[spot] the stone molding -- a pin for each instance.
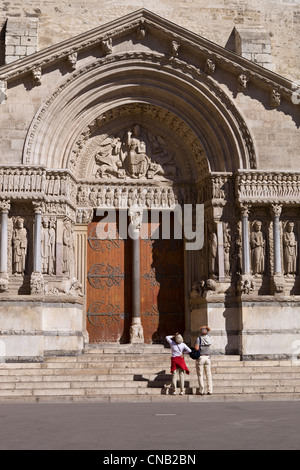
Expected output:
(104, 36)
(247, 149)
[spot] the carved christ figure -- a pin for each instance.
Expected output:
(257, 244)
(290, 246)
(20, 244)
(137, 159)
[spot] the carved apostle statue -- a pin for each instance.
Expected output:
(45, 246)
(20, 244)
(52, 242)
(68, 248)
(212, 250)
(290, 246)
(257, 243)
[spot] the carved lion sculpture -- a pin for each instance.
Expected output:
(3, 285)
(68, 286)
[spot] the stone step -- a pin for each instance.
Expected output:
(125, 383)
(154, 378)
(96, 369)
(138, 390)
(116, 398)
(141, 362)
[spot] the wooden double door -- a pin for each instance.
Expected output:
(109, 287)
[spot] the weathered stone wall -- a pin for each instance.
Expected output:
(59, 20)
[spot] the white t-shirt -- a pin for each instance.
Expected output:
(178, 349)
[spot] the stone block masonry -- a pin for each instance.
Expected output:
(21, 38)
(60, 20)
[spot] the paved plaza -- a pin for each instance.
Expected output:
(161, 426)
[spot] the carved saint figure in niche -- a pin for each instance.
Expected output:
(20, 244)
(52, 240)
(213, 251)
(257, 243)
(68, 248)
(227, 250)
(45, 246)
(290, 246)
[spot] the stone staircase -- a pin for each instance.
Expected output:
(138, 374)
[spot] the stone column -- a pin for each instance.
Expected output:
(37, 280)
(245, 210)
(278, 279)
(136, 329)
(4, 208)
(246, 285)
(220, 236)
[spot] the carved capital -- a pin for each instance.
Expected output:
(276, 210)
(5, 205)
(245, 209)
(38, 207)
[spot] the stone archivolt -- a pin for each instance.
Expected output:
(241, 156)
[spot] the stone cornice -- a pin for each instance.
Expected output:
(150, 23)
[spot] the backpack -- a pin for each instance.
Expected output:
(196, 354)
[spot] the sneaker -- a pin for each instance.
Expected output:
(181, 393)
(209, 393)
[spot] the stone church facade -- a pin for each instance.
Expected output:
(136, 116)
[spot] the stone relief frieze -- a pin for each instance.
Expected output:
(268, 187)
(126, 196)
(136, 154)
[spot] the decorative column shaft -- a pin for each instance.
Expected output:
(37, 260)
(37, 280)
(221, 265)
(245, 210)
(276, 212)
(277, 282)
(4, 242)
(136, 329)
(4, 207)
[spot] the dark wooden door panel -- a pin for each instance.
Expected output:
(108, 288)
